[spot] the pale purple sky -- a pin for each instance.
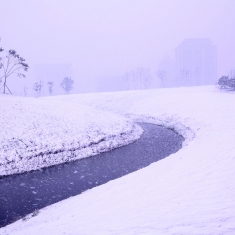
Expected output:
(109, 37)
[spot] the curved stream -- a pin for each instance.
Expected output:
(24, 193)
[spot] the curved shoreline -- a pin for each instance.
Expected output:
(49, 159)
(27, 192)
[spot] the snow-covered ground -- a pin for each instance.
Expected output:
(36, 133)
(189, 192)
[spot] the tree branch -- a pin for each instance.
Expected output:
(12, 72)
(12, 67)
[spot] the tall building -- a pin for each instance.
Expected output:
(196, 62)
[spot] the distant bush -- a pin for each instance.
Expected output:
(67, 84)
(226, 83)
(38, 87)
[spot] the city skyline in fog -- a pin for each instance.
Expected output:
(109, 38)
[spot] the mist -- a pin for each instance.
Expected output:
(102, 41)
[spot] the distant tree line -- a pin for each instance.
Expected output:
(66, 84)
(139, 78)
(12, 63)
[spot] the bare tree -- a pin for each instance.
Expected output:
(162, 74)
(50, 87)
(139, 78)
(38, 87)
(67, 84)
(144, 77)
(12, 63)
(1, 50)
(132, 80)
(25, 90)
(127, 78)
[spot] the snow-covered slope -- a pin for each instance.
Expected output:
(36, 133)
(189, 192)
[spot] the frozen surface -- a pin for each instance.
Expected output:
(37, 133)
(189, 192)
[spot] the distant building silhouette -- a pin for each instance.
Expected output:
(196, 62)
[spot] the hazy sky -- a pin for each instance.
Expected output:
(109, 37)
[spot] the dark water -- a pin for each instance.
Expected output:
(24, 193)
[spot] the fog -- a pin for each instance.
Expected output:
(103, 40)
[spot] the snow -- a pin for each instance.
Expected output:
(190, 192)
(37, 133)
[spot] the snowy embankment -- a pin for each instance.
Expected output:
(37, 133)
(189, 192)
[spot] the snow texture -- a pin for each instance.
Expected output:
(37, 133)
(190, 192)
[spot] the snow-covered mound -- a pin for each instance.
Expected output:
(36, 133)
(190, 192)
